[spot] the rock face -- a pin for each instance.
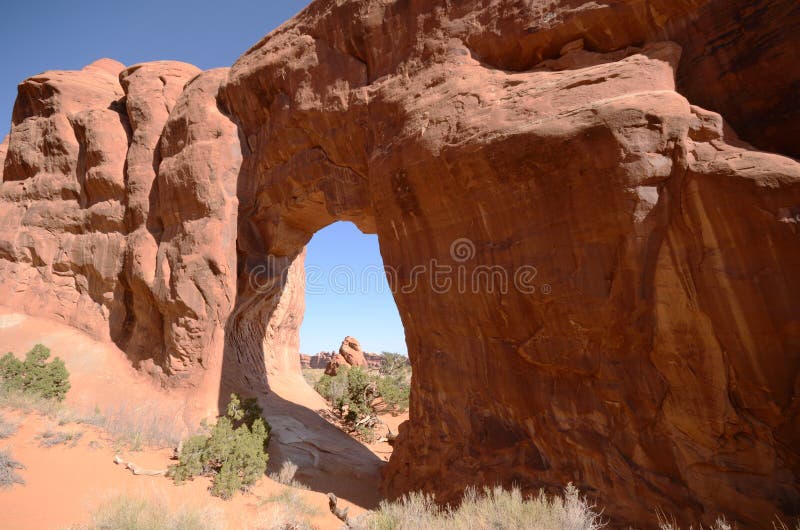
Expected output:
(62, 219)
(598, 279)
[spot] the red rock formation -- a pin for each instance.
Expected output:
(350, 349)
(322, 359)
(62, 230)
(336, 362)
(350, 355)
(305, 361)
(646, 345)
(373, 360)
(618, 375)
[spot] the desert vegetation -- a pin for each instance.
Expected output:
(135, 426)
(355, 393)
(8, 470)
(128, 512)
(7, 428)
(35, 376)
(286, 476)
(286, 510)
(51, 438)
(491, 508)
(233, 452)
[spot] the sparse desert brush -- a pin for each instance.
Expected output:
(27, 402)
(286, 475)
(234, 453)
(666, 522)
(34, 375)
(135, 426)
(126, 512)
(285, 511)
(50, 438)
(8, 470)
(7, 428)
(492, 508)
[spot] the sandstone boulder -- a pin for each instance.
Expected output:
(350, 349)
(337, 361)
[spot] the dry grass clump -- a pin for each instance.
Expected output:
(51, 438)
(493, 508)
(126, 512)
(666, 522)
(286, 475)
(8, 470)
(130, 426)
(285, 511)
(7, 428)
(30, 402)
(135, 427)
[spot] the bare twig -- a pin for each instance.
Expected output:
(136, 470)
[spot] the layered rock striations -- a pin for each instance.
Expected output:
(619, 302)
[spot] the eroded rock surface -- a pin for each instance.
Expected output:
(619, 302)
(62, 229)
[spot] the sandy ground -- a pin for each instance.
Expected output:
(65, 483)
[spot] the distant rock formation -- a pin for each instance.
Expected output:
(350, 350)
(350, 354)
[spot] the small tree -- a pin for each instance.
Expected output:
(393, 363)
(335, 389)
(394, 385)
(35, 375)
(234, 453)
(360, 391)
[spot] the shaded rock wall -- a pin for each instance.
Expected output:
(620, 309)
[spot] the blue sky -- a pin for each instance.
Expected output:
(60, 35)
(347, 293)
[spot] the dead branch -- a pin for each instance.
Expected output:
(136, 470)
(335, 510)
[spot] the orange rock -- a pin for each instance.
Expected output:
(350, 350)
(618, 307)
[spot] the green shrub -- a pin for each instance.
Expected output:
(334, 389)
(35, 375)
(395, 389)
(394, 383)
(393, 363)
(233, 453)
(351, 391)
(360, 392)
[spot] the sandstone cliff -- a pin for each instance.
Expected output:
(649, 352)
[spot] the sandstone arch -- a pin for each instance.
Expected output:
(661, 370)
